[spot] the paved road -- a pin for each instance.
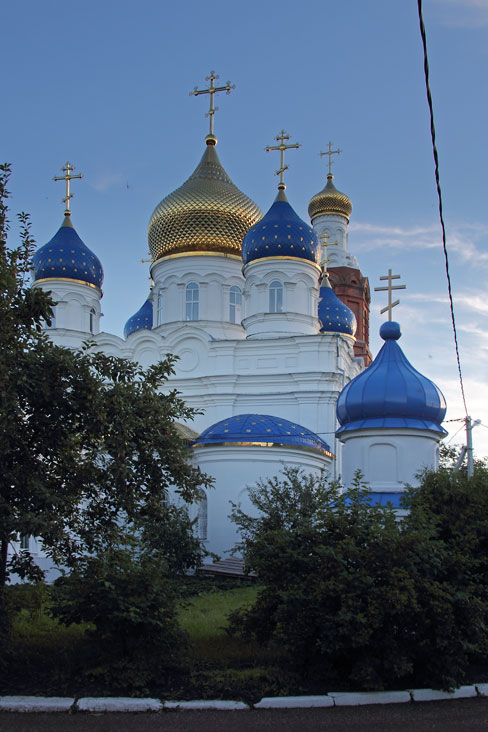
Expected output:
(465, 715)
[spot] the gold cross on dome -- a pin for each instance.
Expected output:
(389, 288)
(67, 177)
(282, 147)
(330, 152)
(212, 90)
(325, 243)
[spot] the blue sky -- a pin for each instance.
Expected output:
(106, 86)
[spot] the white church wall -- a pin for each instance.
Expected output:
(213, 275)
(388, 458)
(75, 301)
(234, 468)
(293, 310)
(335, 227)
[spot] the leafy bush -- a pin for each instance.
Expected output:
(350, 594)
(130, 602)
(26, 596)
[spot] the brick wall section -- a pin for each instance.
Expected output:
(353, 289)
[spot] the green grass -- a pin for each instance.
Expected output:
(48, 655)
(204, 618)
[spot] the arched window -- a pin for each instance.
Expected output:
(276, 297)
(192, 301)
(92, 320)
(202, 517)
(159, 308)
(235, 302)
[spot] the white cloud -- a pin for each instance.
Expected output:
(476, 302)
(462, 13)
(461, 240)
(108, 180)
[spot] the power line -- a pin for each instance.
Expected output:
(439, 195)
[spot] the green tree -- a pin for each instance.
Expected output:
(353, 596)
(88, 445)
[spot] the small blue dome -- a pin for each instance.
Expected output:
(141, 320)
(247, 429)
(281, 233)
(334, 315)
(391, 393)
(67, 257)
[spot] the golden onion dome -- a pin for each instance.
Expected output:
(330, 201)
(208, 213)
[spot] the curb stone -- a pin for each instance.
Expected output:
(463, 692)
(354, 699)
(118, 704)
(36, 703)
(216, 704)
(294, 702)
(130, 704)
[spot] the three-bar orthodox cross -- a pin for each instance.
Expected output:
(389, 288)
(67, 177)
(330, 152)
(282, 147)
(212, 90)
(325, 243)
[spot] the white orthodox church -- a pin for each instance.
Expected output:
(275, 358)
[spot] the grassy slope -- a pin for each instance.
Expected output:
(46, 653)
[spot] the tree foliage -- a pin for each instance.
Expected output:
(88, 444)
(355, 597)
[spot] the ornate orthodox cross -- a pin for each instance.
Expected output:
(212, 90)
(389, 288)
(67, 170)
(282, 147)
(330, 153)
(324, 243)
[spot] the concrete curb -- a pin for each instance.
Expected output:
(355, 699)
(464, 692)
(118, 704)
(35, 703)
(332, 699)
(294, 702)
(215, 704)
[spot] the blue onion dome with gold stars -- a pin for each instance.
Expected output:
(142, 320)
(334, 315)
(261, 430)
(208, 213)
(66, 257)
(391, 393)
(281, 233)
(330, 201)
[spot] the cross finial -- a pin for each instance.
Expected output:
(389, 288)
(330, 152)
(67, 177)
(282, 147)
(212, 91)
(325, 243)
